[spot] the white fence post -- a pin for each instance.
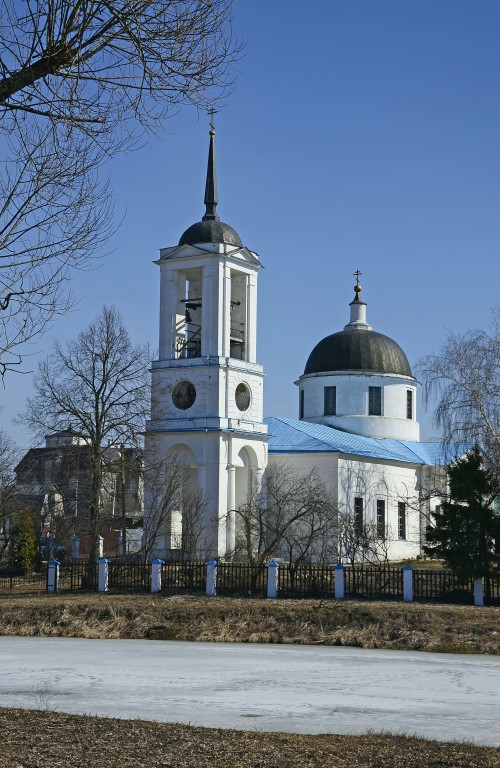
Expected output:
(156, 574)
(339, 582)
(478, 592)
(211, 588)
(52, 575)
(102, 575)
(75, 547)
(272, 578)
(408, 584)
(100, 546)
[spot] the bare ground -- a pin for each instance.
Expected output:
(417, 627)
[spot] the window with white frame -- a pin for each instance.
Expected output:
(401, 520)
(358, 514)
(381, 518)
(176, 529)
(375, 401)
(330, 398)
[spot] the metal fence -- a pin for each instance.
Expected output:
(13, 581)
(373, 583)
(302, 581)
(187, 578)
(442, 586)
(243, 579)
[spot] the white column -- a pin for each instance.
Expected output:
(52, 575)
(408, 584)
(102, 575)
(272, 579)
(339, 582)
(156, 566)
(231, 501)
(478, 592)
(251, 324)
(100, 546)
(168, 312)
(226, 309)
(211, 310)
(211, 587)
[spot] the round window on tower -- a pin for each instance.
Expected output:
(242, 397)
(184, 395)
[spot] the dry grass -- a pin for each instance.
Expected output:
(462, 629)
(42, 739)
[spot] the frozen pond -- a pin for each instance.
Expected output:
(303, 689)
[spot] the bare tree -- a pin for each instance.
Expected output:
(464, 377)
(176, 510)
(10, 504)
(93, 64)
(99, 384)
(54, 218)
(75, 78)
(292, 516)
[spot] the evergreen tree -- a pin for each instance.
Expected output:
(464, 530)
(25, 542)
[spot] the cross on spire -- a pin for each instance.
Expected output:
(211, 113)
(357, 275)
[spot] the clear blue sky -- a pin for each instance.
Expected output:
(359, 134)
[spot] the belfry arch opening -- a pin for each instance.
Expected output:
(188, 323)
(238, 316)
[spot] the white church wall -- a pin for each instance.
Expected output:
(348, 477)
(395, 484)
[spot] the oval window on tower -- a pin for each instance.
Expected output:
(184, 395)
(242, 397)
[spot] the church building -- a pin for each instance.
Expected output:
(357, 423)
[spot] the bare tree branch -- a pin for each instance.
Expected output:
(76, 79)
(98, 383)
(465, 378)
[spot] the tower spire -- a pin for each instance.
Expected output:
(211, 198)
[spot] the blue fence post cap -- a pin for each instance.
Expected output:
(407, 567)
(339, 565)
(211, 562)
(158, 561)
(54, 562)
(272, 564)
(103, 560)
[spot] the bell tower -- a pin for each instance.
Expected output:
(207, 387)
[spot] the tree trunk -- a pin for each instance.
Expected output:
(94, 511)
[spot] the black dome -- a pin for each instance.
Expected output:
(358, 350)
(211, 231)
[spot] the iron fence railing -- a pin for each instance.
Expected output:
(442, 585)
(244, 579)
(183, 577)
(241, 579)
(306, 581)
(134, 577)
(373, 582)
(13, 580)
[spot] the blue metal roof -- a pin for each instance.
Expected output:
(293, 436)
